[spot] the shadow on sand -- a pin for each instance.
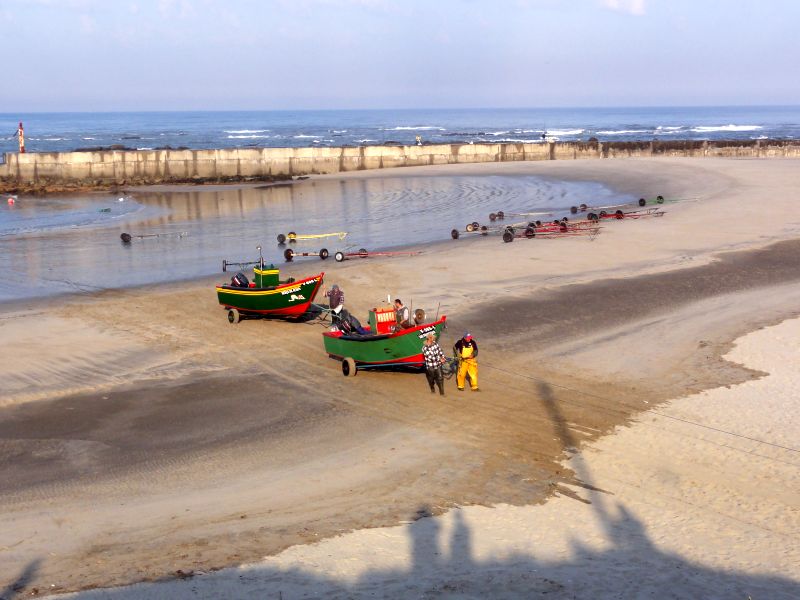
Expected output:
(630, 566)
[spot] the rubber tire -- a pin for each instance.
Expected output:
(288, 254)
(323, 254)
(349, 368)
(492, 217)
(659, 199)
(573, 210)
(602, 214)
(475, 225)
(619, 215)
(484, 230)
(339, 256)
(591, 217)
(562, 228)
(281, 238)
(419, 316)
(642, 201)
(510, 230)
(501, 214)
(362, 253)
(470, 228)
(234, 316)
(508, 236)
(564, 220)
(125, 237)
(583, 207)
(454, 234)
(530, 233)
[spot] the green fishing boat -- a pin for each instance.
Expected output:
(267, 295)
(380, 344)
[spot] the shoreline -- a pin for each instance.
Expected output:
(156, 408)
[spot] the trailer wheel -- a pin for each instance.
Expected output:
(475, 225)
(619, 214)
(323, 254)
(454, 234)
(591, 217)
(292, 236)
(603, 213)
(362, 253)
(573, 210)
(470, 228)
(501, 214)
(508, 236)
(281, 238)
(234, 316)
(288, 254)
(562, 227)
(339, 256)
(530, 232)
(492, 216)
(484, 230)
(659, 199)
(583, 207)
(642, 201)
(349, 368)
(564, 220)
(125, 237)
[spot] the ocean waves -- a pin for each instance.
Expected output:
(196, 130)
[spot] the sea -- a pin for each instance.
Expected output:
(61, 132)
(68, 244)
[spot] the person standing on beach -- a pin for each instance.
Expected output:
(434, 359)
(335, 297)
(466, 350)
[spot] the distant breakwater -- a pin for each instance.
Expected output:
(52, 171)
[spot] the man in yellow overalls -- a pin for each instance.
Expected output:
(466, 350)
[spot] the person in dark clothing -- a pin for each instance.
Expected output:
(335, 296)
(466, 351)
(434, 359)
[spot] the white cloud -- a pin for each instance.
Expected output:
(633, 7)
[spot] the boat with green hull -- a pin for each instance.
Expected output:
(381, 344)
(267, 295)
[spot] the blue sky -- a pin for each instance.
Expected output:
(105, 55)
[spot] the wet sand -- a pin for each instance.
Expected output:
(139, 439)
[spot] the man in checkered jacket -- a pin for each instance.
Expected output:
(434, 359)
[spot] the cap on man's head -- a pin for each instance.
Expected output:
(467, 335)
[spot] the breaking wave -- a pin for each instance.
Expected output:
(623, 131)
(711, 129)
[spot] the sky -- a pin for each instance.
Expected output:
(118, 55)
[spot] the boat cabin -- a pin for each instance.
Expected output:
(382, 320)
(266, 276)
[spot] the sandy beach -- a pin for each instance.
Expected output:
(635, 434)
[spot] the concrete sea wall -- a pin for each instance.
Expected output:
(127, 167)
